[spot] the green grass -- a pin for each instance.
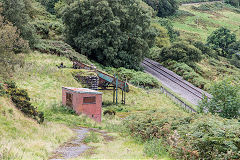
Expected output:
(203, 23)
(43, 80)
(23, 138)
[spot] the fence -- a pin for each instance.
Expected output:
(177, 100)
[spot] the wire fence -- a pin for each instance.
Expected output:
(177, 100)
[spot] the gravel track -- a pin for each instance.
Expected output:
(73, 148)
(174, 82)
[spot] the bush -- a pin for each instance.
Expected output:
(221, 38)
(162, 38)
(61, 49)
(137, 78)
(225, 101)
(187, 137)
(206, 50)
(22, 101)
(187, 72)
(166, 23)
(235, 60)
(2, 90)
(181, 52)
(154, 148)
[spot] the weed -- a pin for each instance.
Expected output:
(92, 137)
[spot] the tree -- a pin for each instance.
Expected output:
(10, 43)
(49, 4)
(182, 52)
(221, 38)
(18, 12)
(225, 101)
(114, 33)
(163, 7)
(235, 3)
(162, 38)
(166, 23)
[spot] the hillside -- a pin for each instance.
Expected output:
(38, 35)
(198, 21)
(43, 81)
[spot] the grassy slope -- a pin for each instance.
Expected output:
(203, 23)
(44, 80)
(23, 138)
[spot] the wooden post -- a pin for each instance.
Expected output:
(114, 91)
(117, 90)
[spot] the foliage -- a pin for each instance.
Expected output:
(235, 3)
(114, 33)
(225, 101)
(221, 38)
(181, 52)
(188, 137)
(10, 43)
(209, 7)
(162, 38)
(49, 4)
(22, 101)
(92, 137)
(187, 72)
(234, 48)
(154, 148)
(206, 50)
(19, 12)
(163, 7)
(2, 90)
(166, 23)
(136, 78)
(235, 60)
(60, 48)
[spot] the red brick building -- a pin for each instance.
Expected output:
(83, 100)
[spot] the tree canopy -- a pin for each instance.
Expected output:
(221, 38)
(163, 7)
(182, 52)
(114, 33)
(225, 101)
(19, 12)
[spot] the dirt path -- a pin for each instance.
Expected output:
(73, 148)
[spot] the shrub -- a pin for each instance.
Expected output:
(181, 52)
(22, 101)
(225, 101)
(166, 23)
(61, 49)
(154, 148)
(221, 38)
(162, 38)
(2, 90)
(206, 50)
(235, 60)
(136, 78)
(187, 73)
(187, 137)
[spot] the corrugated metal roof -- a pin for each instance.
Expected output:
(82, 90)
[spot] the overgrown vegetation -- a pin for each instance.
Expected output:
(187, 137)
(22, 101)
(137, 78)
(163, 7)
(225, 101)
(110, 32)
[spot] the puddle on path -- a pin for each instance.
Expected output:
(73, 148)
